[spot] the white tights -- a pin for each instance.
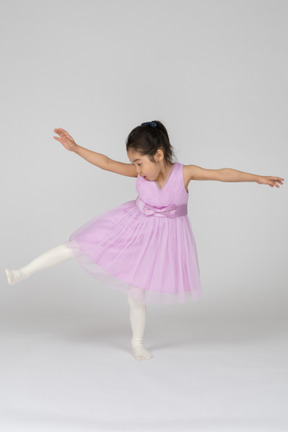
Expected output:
(62, 253)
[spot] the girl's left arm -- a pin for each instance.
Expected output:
(232, 175)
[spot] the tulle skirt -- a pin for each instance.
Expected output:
(153, 260)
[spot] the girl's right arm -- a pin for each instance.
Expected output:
(98, 159)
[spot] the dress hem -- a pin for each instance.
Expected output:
(140, 294)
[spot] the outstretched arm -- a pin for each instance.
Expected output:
(231, 175)
(98, 159)
(68, 142)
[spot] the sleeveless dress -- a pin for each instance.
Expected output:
(144, 247)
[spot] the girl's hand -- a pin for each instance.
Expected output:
(66, 140)
(271, 181)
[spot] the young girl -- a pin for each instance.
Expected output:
(145, 247)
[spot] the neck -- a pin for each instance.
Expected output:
(164, 172)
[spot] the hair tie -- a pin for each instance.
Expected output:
(151, 123)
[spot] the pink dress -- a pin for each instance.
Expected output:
(145, 247)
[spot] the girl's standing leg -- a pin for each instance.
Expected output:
(138, 322)
(50, 258)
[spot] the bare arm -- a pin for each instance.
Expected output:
(98, 159)
(106, 163)
(231, 175)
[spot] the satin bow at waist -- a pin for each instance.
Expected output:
(168, 211)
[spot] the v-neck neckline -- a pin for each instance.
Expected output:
(166, 180)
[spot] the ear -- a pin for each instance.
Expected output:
(159, 155)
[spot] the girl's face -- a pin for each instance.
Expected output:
(146, 168)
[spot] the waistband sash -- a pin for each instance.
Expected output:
(168, 211)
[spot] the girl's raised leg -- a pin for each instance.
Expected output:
(138, 322)
(50, 258)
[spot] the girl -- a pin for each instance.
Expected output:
(145, 247)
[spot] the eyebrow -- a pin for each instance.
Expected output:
(135, 160)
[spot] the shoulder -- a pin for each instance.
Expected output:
(189, 171)
(186, 175)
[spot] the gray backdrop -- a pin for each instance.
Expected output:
(215, 73)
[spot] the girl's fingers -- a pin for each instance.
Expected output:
(63, 134)
(66, 135)
(60, 131)
(59, 139)
(275, 181)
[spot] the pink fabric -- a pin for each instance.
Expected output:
(145, 247)
(165, 211)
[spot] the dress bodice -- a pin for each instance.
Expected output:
(172, 192)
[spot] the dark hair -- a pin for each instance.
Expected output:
(146, 140)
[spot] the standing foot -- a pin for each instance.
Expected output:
(14, 276)
(140, 352)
